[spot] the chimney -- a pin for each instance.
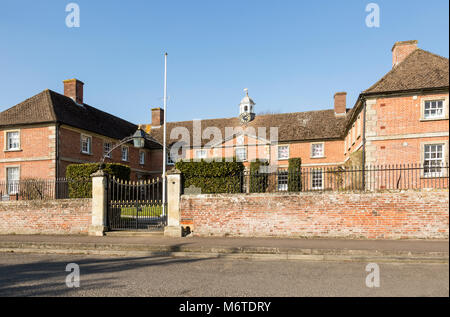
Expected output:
(340, 103)
(157, 117)
(401, 50)
(73, 88)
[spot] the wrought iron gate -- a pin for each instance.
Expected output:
(135, 205)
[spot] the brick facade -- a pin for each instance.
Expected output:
(70, 153)
(396, 129)
(384, 215)
(37, 154)
(67, 216)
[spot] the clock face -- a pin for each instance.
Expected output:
(245, 117)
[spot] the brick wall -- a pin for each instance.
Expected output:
(384, 215)
(66, 216)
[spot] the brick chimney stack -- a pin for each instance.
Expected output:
(73, 88)
(157, 117)
(340, 103)
(401, 50)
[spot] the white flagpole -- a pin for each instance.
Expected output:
(164, 137)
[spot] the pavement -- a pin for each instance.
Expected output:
(418, 251)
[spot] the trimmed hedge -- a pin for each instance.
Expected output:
(79, 177)
(258, 181)
(212, 177)
(295, 175)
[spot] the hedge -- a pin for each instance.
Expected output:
(212, 177)
(259, 181)
(79, 177)
(295, 175)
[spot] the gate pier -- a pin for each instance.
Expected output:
(98, 225)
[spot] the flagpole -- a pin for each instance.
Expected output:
(164, 138)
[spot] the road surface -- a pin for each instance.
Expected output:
(45, 275)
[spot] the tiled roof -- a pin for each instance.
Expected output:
(420, 70)
(49, 106)
(297, 126)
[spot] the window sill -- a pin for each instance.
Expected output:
(433, 119)
(84, 153)
(318, 157)
(432, 177)
(17, 150)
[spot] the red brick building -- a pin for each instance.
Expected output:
(404, 117)
(42, 135)
(401, 119)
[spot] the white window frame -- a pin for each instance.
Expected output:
(127, 158)
(278, 152)
(245, 151)
(313, 171)
(107, 150)
(142, 157)
(323, 149)
(443, 160)
(169, 160)
(444, 101)
(283, 181)
(88, 137)
(7, 147)
(203, 154)
(13, 188)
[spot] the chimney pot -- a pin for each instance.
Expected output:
(340, 103)
(401, 50)
(73, 88)
(157, 117)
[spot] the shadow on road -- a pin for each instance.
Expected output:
(47, 277)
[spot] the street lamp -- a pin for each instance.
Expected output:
(138, 139)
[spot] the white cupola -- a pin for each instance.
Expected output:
(246, 105)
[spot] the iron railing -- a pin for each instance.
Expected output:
(339, 178)
(37, 189)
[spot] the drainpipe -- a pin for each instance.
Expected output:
(57, 159)
(364, 143)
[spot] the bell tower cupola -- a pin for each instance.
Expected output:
(246, 108)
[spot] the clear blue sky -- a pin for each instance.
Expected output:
(292, 55)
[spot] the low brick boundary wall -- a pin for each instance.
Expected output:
(382, 215)
(62, 216)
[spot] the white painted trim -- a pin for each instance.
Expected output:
(278, 153)
(5, 139)
(408, 136)
(90, 144)
(31, 159)
(128, 153)
(311, 152)
(322, 164)
(433, 98)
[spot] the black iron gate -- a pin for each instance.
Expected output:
(135, 205)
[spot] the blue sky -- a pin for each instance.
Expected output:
(292, 55)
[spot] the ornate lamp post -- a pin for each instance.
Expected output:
(138, 139)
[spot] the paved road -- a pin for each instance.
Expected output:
(44, 275)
